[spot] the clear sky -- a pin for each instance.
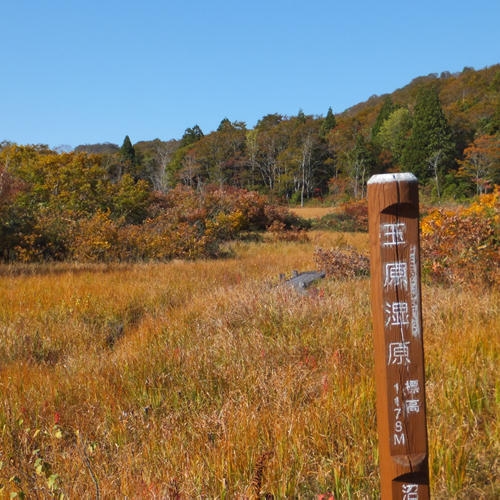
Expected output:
(80, 72)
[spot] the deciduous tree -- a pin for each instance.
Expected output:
(481, 163)
(393, 133)
(353, 157)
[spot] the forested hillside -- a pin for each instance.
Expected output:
(444, 128)
(81, 204)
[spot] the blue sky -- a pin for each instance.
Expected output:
(81, 72)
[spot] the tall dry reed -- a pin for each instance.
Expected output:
(211, 379)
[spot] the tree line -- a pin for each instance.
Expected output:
(98, 198)
(445, 129)
(86, 207)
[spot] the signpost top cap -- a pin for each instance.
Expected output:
(397, 177)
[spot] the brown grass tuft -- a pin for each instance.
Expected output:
(258, 474)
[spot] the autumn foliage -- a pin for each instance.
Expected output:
(342, 262)
(67, 207)
(462, 245)
(481, 163)
(181, 224)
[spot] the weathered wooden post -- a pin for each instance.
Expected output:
(397, 321)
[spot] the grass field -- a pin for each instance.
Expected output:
(209, 379)
(313, 212)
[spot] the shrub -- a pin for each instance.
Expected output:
(357, 210)
(46, 236)
(342, 263)
(462, 246)
(352, 217)
(184, 223)
(279, 232)
(95, 239)
(249, 205)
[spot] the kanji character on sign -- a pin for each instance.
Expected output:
(393, 234)
(397, 314)
(399, 353)
(396, 274)
(412, 387)
(412, 406)
(410, 491)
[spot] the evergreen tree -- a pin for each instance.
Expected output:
(225, 124)
(430, 149)
(128, 157)
(301, 117)
(328, 124)
(388, 107)
(360, 166)
(191, 135)
(127, 150)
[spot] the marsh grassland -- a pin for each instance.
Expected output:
(209, 379)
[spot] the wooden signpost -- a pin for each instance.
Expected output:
(397, 321)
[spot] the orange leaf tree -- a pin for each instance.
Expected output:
(481, 163)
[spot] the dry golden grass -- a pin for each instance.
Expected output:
(313, 212)
(210, 379)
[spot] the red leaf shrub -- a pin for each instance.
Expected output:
(342, 263)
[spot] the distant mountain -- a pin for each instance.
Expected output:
(100, 148)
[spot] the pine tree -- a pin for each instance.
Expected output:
(430, 149)
(127, 150)
(328, 124)
(191, 135)
(388, 107)
(128, 157)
